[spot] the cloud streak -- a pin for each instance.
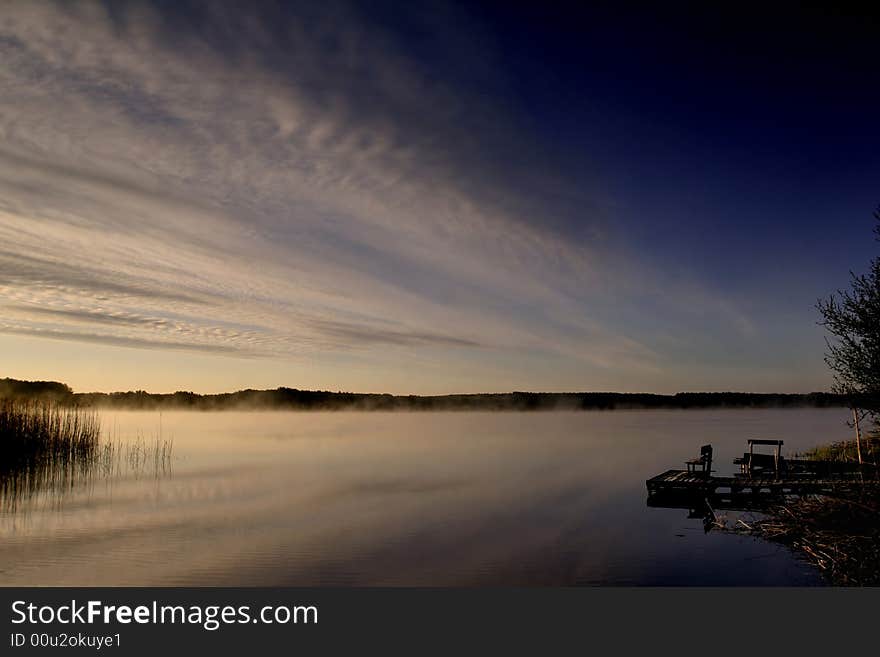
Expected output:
(279, 185)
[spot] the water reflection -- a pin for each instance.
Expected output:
(46, 480)
(470, 499)
(706, 507)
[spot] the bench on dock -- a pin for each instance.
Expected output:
(753, 463)
(703, 461)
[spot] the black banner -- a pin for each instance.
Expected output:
(124, 621)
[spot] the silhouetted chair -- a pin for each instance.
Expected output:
(753, 463)
(703, 461)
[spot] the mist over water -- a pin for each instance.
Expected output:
(346, 498)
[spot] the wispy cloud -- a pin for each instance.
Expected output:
(273, 185)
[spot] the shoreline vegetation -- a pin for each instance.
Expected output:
(305, 400)
(48, 447)
(36, 432)
(45, 446)
(838, 534)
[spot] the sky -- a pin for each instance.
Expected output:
(430, 197)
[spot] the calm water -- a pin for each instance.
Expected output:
(401, 499)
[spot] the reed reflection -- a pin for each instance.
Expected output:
(48, 451)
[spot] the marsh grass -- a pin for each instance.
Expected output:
(845, 451)
(839, 534)
(35, 433)
(47, 449)
(140, 457)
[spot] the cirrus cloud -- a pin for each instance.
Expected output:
(271, 185)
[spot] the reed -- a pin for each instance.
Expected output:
(845, 451)
(35, 433)
(47, 451)
(839, 534)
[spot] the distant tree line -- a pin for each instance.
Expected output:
(44, 390)
(306, 400)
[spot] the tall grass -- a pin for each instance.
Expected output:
(47, 450)
(39, 432)
(136, 457)
(44, 446)
(845, 451)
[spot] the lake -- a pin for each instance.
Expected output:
(447, 499)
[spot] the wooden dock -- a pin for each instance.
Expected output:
(763, 478)
(687, 483)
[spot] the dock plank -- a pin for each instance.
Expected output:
(682, 480)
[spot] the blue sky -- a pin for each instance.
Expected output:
(430, 197)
